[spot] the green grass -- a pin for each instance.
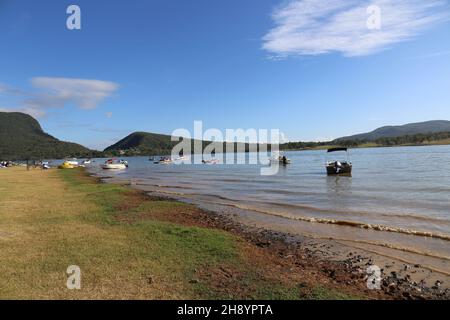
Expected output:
(59, 218)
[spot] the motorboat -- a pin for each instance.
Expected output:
(212, 161)
(114, 164)
(281, 159)
(182, 158)
(72, 162)
(67, 165)
(339, 167)
(164, 160)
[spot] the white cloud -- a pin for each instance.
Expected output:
(58, 92)
(313, 27)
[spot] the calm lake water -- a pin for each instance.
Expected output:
(406, 189)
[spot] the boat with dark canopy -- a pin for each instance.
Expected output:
(339, 167)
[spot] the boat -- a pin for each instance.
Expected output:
(163, 160)
(281, 159)
(72, 162)
(6, 164)
(339, 167)
(166, 161)
(114, 164)
(212, 161)
(67, 165)
(87, 161)
(183, 158)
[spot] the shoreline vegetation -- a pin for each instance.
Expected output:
(132, 245)
(137, 144)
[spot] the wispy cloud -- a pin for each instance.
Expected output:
(313, 27)
(431, 55)
(50, 93)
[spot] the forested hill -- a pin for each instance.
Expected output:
(22, 138)
(411, 129)
(146, 143)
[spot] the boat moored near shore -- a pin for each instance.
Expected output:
(339, 167)
(114, 164)
(281, 159)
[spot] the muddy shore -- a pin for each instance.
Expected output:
(338, 264)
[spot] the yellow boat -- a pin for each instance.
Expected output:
(66, 165)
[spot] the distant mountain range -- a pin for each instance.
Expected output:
(22, 138)
(410, 129)
(414, 133)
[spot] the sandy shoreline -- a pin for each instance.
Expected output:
(345, 263)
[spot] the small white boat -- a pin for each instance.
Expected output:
(113, 164)
(183, 158)
(72, 162)
(87, 161)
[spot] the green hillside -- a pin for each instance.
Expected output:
(22, 138)
(411, 129)
(145, 143)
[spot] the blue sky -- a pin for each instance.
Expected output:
(310, 68)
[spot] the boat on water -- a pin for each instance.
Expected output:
(67, 165)
(87, 161)
(281, 159)
(212, 161)
(183, 158)
(114, 164)
(339, 167)
(163, 160)
(72, 162)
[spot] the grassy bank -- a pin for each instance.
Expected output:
(128, 246)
